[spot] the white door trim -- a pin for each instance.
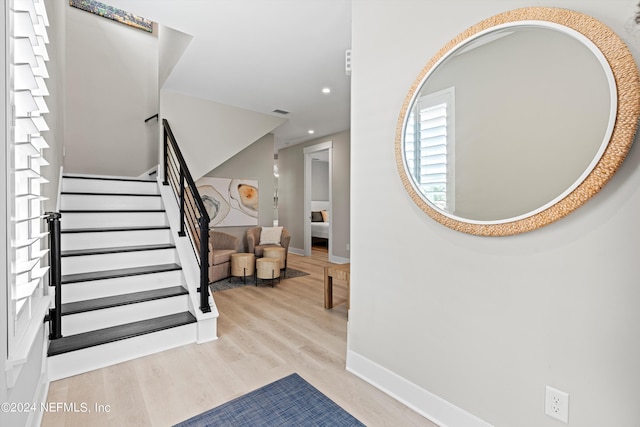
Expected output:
(308, 151)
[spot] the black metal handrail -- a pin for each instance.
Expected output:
(55, 274)
(193, 214)
(155, 116)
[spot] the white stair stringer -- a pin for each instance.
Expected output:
(207, 322)
(124, 292)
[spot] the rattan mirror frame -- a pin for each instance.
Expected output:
(627, 80)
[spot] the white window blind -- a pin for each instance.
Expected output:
(429, 147)
(27, 293)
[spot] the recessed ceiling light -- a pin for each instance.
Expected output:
(311, 131)
(326, 90)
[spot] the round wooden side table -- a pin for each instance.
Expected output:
(268, 268)
(243, 265)
(279, 253)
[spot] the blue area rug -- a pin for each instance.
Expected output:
(290, 401)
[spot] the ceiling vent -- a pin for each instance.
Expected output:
(280, 111)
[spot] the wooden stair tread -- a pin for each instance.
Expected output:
(109, 229)
(123, 272)
(117, 333)
(108, 178)
(114, 250)
(110, 210)
(98, 193)
(123, 299)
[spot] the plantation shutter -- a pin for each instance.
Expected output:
(27, 297)
(433, 154)
(429, 147)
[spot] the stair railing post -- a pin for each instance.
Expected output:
(166, 155)
(204, 264)
(55, 274)
(182, 216)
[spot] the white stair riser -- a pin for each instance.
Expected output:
(72, 292)
(112, 239)
(102, 262)
(99, 319)
(105, 202)
(109, 186)
(77, 362)
(72, 220)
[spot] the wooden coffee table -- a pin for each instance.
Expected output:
(340, 272)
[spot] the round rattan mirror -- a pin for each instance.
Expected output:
(518, 121)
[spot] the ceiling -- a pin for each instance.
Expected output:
(263, 55)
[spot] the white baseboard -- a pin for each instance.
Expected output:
(147, 174)
(296, 251)
(427, 404)
(332, 258)
(338, 259)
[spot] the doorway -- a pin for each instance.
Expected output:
(315, 197)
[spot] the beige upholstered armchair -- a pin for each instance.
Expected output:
(221, 246)
(256, 246)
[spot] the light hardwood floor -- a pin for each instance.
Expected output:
(264, 334)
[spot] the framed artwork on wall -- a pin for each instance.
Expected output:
(230, 202)
(113, 13)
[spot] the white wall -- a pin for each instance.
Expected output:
(319, 180)
(254, 162)
(485, 323)
(209, 133)
(172, 45)
(112, 87)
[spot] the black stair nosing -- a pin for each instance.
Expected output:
(112, 211)
(115, 250)
(118, 273)
(118, 333)
(122, 299)
(112, 229)
(97, 193)
(108, 178)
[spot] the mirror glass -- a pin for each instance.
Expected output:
(508, 122)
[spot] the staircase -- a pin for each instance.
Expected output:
(123, 288)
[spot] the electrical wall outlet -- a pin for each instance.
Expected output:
(556, 404)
